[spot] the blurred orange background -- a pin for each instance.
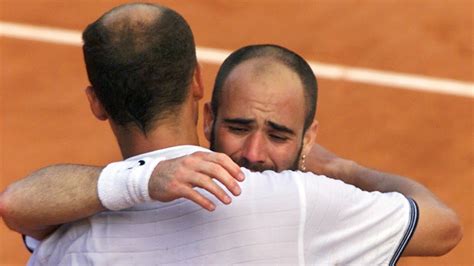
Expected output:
(44, 115)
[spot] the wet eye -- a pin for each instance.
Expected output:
(278, 138)
(238, 130)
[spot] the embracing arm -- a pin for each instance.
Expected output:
(38, 204)
(438, 230)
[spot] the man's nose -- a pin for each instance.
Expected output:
(254, 148)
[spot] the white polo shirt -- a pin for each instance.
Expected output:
(279, 218)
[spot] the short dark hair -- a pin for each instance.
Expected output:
(140, 70)
(283, 55)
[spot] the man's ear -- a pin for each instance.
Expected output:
(208, 121)
(95, 105)
(309, 138)
(197, 84)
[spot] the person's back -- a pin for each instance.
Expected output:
(287, 218)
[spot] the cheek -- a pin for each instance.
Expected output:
(226, 142)
(284, 156)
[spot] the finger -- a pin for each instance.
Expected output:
(219, 173)
(194, 196)
(225, 161)
(234, 169)
(209, 164)
(205, 182)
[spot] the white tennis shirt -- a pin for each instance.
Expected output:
(279, 218)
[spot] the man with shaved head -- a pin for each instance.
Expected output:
(263, 108)
(141, 63)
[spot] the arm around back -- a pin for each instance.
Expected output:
(38, 204)
(439, 229)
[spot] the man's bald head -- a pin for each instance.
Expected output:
(129, 26)
(139, 12)
(267, 58)
(140, 60)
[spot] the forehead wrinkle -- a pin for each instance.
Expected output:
(255, 93)
(279, 127)
(236, 91)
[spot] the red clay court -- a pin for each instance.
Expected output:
(418, 126)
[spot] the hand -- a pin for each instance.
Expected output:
(175, 178)
(323, 162)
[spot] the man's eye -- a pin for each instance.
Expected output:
(238, 130)
(278, 138)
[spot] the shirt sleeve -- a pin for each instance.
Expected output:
(355, 226)
(30, 243)
(413, 221)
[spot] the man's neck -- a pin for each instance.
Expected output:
(133, 142)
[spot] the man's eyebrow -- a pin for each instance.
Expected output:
(241, 121)
(279, 127)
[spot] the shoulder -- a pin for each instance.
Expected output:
(287, 180)
(171, 152)
(307, 180)
(319, 189)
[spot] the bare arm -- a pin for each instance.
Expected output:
(38, 204)
(438, 230)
